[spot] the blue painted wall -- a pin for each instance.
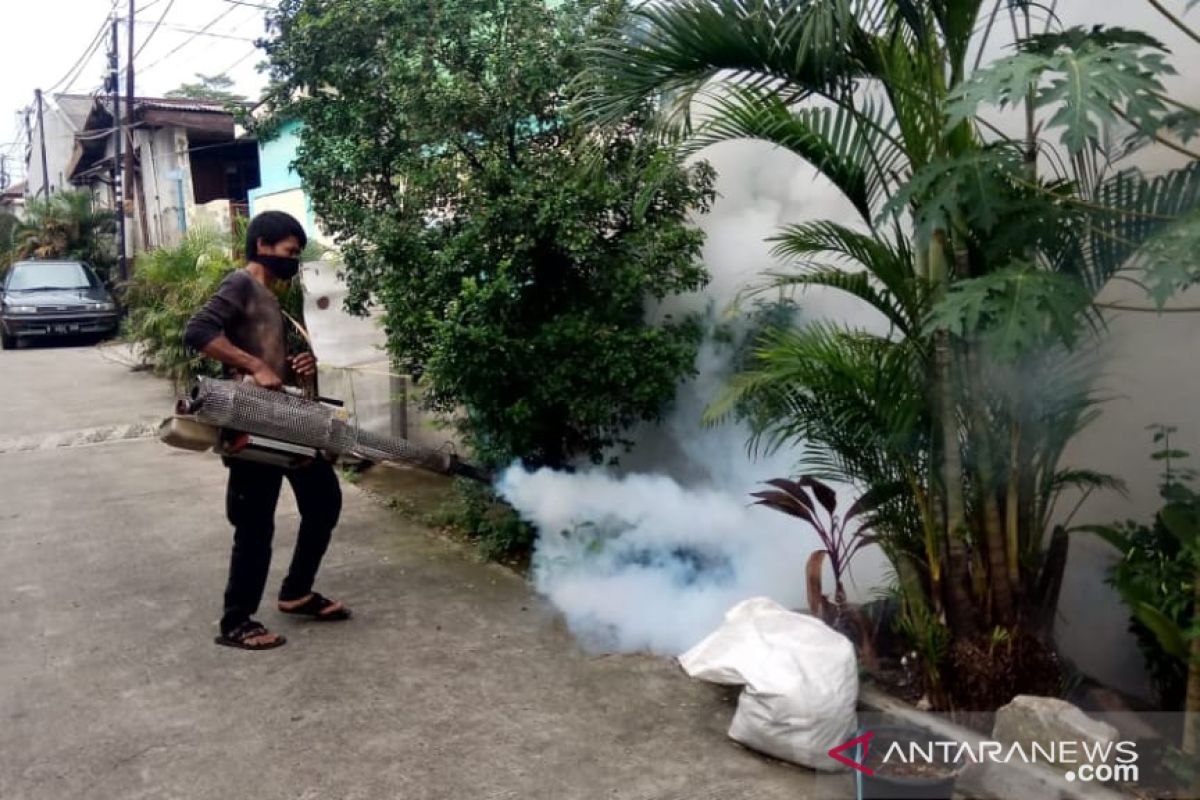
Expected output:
(275, 169)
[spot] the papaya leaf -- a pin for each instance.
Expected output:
(976, 189)
(1089, 79)
(1014, 310)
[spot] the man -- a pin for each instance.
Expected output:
(242, 326)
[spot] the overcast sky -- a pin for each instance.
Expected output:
(44, 39)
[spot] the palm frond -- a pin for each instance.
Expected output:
(894, 287)
(1087, 480)
(669, 51)
(852, 146)
(1127, 213)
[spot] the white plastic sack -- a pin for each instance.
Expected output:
(801, 680)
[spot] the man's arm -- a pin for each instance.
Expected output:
(231, 355)
(205, 333)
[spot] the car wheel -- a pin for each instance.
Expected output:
(7, 342)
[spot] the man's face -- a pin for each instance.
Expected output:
(287, 247)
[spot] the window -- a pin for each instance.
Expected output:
(50, 275)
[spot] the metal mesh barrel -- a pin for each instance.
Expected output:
(252, 409)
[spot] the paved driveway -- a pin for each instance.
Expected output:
(452, 681)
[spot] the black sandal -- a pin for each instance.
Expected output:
(248, 630)
(315, 608)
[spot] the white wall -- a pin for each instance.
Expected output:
(60, 145)
(166, 181)
(165, 173)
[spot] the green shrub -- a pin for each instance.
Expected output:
(67, 225)
(1156, 574)
(476, 512)
(1151, 569)
(511, 250)
(169, 285)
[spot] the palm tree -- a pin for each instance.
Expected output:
(67, 225)
(985, 269)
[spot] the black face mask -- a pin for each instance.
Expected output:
(281, 267)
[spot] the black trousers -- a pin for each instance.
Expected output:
(250, 502)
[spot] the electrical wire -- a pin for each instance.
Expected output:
(189, 40)
(157, 24)
(79, 72)
(250, 5)
(88, 52)
(237, 63)
(212, 34)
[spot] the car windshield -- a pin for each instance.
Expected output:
(51, 275)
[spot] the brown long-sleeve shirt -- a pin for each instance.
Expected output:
(248, 314)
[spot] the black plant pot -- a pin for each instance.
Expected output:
(884, 786)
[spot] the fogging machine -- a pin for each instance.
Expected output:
(243, 420)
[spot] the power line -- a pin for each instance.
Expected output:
(88, 52)
(182, 29)
(191, 38)
(161, 17)
(251, 5)
(82, 65)
(228, 69)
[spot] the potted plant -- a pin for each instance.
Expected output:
(904, 764)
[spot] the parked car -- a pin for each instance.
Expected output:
(54, 298)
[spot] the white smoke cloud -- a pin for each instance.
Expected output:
(638, 562)
(650, 557)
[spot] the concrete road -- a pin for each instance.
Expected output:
(452, 681)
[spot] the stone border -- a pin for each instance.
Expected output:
(1016, 780)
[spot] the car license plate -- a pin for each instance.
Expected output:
(64, 328)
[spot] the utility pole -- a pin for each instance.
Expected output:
(114, 93)
(3, 171)
(130, 172)
(42, 136)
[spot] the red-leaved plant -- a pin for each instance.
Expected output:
(802, 498)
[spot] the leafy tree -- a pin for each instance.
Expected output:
(512, 251)
(985, 267)
(9, 225)
(66, 225)
(209, 87)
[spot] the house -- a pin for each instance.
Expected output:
(190, 169)
(12, 201)
(63, 117)
(280, 188)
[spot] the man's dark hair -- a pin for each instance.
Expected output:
(272, 227)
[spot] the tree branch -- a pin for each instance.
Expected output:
(1141, 309)
(475, 162)
(1174, 20)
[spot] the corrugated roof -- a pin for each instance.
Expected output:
(182, 104)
